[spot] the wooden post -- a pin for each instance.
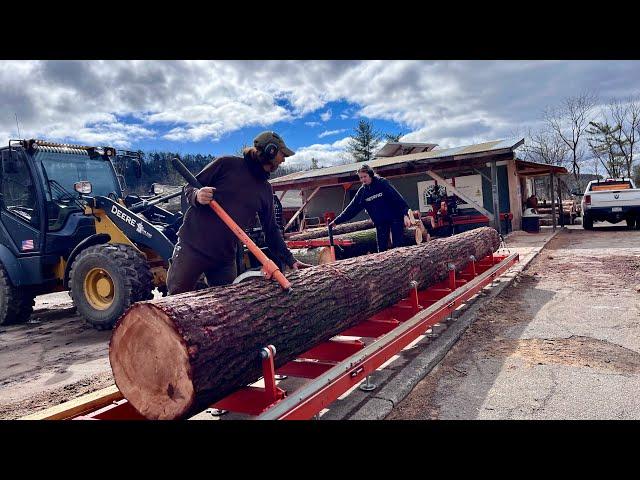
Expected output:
(295, 215)
(561, 206)
(515, 195)
(553, 200)
(495, 197)
(303, 217)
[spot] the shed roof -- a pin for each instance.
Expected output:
(430, 157)
(392, 149)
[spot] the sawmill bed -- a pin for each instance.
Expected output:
(330, 369)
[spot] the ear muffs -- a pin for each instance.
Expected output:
(270, 151)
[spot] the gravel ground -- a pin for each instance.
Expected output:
(54, 357)
(561, 343)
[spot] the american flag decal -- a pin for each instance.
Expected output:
(27, 244)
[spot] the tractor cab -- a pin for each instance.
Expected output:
(41, 209)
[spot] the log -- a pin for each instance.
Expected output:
(172, 357)
(313, 256)
(365, 242)
(312, 233)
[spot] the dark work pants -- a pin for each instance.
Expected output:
(397, 234)
(187, 265)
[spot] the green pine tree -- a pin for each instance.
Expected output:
(363, 142)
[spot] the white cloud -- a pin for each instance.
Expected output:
(187, 101)
(326, 153)
(312, 124)
(326, 133)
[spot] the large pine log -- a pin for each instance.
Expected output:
(312, 233)
(174, 356)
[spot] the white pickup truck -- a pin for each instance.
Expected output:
(611, 200)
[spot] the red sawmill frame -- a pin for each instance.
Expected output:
(339, 364)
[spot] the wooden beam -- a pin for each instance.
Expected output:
(483, 175)
(458, 193)
(295, 215)
(284, 192)
(78, 406)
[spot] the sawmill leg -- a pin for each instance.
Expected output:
(367, 386)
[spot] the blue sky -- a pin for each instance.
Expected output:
(214, 107)
(334, 122)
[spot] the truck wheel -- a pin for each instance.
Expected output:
(631, 222)
(105, 279)
(587, 222)
(16, 305)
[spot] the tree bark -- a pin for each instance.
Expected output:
(174, 356)
(337, 230)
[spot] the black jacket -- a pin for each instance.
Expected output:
(380, 200)
(242, 189)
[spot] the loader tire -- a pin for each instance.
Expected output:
(106, 279)
(16, 304)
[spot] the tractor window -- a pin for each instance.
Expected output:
(18, 190)
(61, 171)
(66, 169)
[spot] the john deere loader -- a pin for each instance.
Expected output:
(65, 225)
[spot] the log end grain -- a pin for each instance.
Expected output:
(150, 363)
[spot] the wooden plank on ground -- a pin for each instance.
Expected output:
(78, 406)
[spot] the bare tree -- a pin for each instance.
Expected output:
(626, 116)
(569, 122)
(545, 146)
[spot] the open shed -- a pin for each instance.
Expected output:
(486, 177)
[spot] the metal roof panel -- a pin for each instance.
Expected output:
(386, 161)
